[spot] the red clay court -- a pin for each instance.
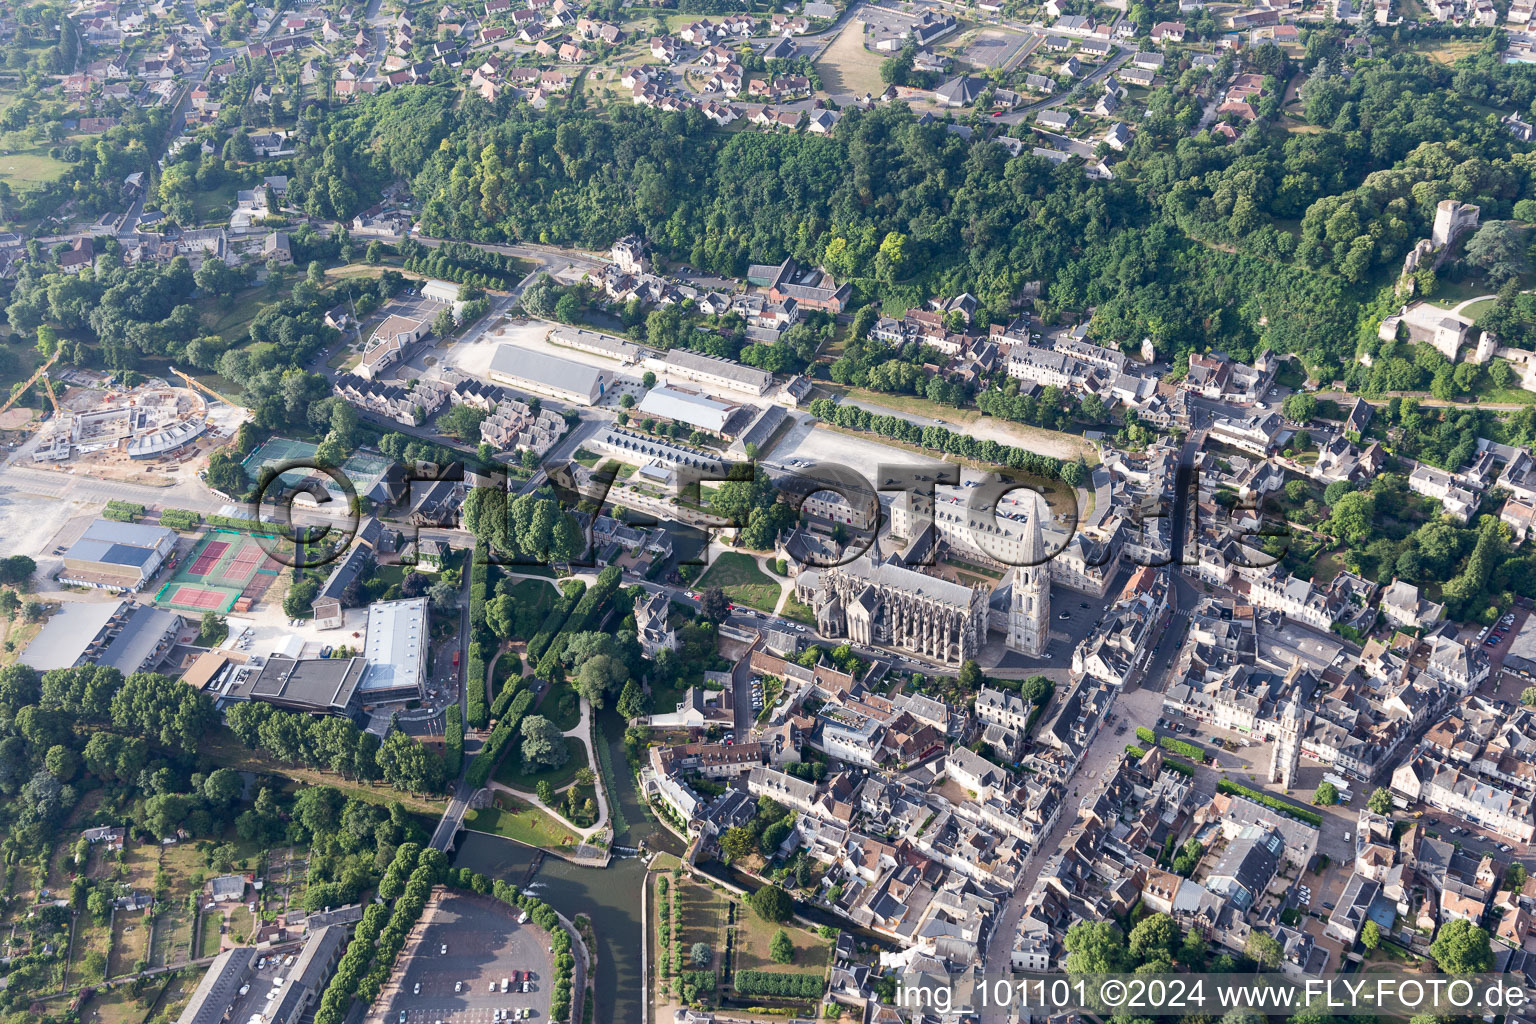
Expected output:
(207, 558)
(225, 571)
(198, 598)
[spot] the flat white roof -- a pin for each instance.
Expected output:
(395, 644)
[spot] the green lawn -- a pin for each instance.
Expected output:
(754, 935)
(230, 316)
(800, 612)
(208, 938)
(743, 582)
(1478, 308)
(510, 772)
(29, 166)
(565, 714)
(513, 819)
(214, 207)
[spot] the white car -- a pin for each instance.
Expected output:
(444, 950)
(458, 986)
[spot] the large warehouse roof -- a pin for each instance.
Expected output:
(395, 644)
(547, 371)
(688, 407)
(114, 543)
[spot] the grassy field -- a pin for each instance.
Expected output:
(743, 582)
(208, 936)
(514, 819)
(704, 915)
(1449, 51)
(847, 67)
(29, 165)
(88, 956)
(565, 714)
(214, 207)
(510, 771)
(1478, 308)
(754, 935)
(795, 609)
(230, 316)
(115, 1006)
(131, 930)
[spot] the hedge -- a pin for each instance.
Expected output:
(485, 762)
(242, 523)
(607, 582)
(509, 690)
(581, 617)
(1273, 803)
(453, 740)
(773, 983)
(1183, 767)
(1189, 750)
(122, 511)
(180, 519)
(554, 621)
(478, 712)
(1145, 735)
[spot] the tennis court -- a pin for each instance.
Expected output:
(207, 558)
(224, 570)
(366, 470)
(192, 598)
(240, 560)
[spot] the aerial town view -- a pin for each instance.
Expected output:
(752, 511)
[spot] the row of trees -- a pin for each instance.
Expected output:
(337, 744)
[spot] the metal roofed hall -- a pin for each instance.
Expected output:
(553, 375)
(394, 645)
(688, 407)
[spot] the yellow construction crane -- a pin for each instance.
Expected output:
(205, 389)
(41, 372)
(53, 399)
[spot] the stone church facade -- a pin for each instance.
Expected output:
(885, 604)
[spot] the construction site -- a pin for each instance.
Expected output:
(94, 423)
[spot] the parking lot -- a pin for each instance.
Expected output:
(484, 944)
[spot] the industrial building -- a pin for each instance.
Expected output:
(128, 637)
(117, 556)
(549, 375)
(396, 646)
(695, 410)
(234, 989)
(681, 364)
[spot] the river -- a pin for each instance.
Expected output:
(609, 896)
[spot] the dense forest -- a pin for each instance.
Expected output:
(1268, 240)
